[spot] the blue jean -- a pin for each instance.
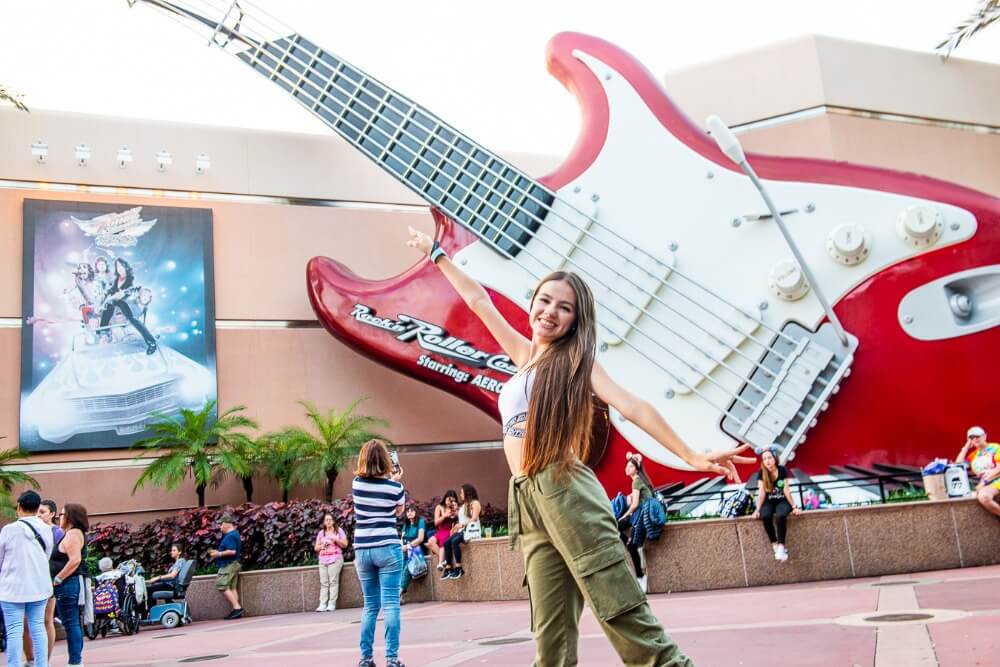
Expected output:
(13, 618)
(68, 606)
(379, 570)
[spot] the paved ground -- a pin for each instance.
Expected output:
(801, 625)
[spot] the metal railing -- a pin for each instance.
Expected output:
(880, 484)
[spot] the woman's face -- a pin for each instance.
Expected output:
(767, 458)
(63, 522)
(120, 269)
(553, 311)
(630, 468)
(411, 515)
(451, 503)
(101, 265)
(328, 521)
(45, 514)
(175, 553)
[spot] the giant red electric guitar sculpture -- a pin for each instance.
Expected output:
(701, 309)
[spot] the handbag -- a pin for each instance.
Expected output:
(473, 531)
(416, 563)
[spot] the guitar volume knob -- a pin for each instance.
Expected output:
(849, 244)
(787, 281)
(920, 226)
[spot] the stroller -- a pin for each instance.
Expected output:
(118, 600)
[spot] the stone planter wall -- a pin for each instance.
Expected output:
(695, 555)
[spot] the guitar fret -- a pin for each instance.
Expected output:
(418, 157)
(453, 179)
(308, 69)
(341, 117)
(365, 133)
(395, 135)
(284, 58)
(325, 94)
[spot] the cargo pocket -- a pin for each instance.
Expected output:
(608, 582)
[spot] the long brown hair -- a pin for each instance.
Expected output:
(76, 517)
(374, 460)
(767, 478)
(560, 410)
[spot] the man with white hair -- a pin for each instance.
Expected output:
(984, 463)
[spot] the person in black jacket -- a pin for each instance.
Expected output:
(123, 287)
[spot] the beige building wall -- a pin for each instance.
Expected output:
(279, 199)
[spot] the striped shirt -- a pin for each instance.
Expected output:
(375, 503)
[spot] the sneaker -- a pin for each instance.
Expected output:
(781, 553)
(644, 584)
(457, 573)
(393, 662)
(322, 607)
(234, 614)
(366, 662)
(446, 575)
(440, 566)
(28, 663)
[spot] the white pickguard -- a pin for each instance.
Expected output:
(664, 198)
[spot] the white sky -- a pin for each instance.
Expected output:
(479, 65)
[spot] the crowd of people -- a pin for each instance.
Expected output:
(558, 514)
(40, 572)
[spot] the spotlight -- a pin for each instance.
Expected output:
(164, 159)
(82, 154)
(124, 157)
(202, 163)
(39, 151)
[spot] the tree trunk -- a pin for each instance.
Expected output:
(284, 494)
(200, 490)
(248, 487)
(331, 477)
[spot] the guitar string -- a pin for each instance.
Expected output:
(427, 181)
(282, 60)
(282, 63)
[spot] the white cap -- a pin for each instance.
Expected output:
(976, 432)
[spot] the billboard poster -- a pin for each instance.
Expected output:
(119, 321)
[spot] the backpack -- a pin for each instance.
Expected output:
(656, 517)
(105, 598)
(735, 505)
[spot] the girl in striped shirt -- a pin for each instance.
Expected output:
(378, 501)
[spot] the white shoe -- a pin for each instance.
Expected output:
(28, 663)
(322, 607)
(643, 583)
(781, 553)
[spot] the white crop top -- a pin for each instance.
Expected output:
(513, 402)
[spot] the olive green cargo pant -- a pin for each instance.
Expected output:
(572, 551)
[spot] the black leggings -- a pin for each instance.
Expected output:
(453, 549)
(633, 549)
(779, 509)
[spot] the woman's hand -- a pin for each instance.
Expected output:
(398, 475)
(420, 241)
(796, 511)
(755, 515)
(722, 463)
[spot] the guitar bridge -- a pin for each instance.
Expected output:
(782, 399)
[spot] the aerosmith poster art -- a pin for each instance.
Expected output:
(119, 321)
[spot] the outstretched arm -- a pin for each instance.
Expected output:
(646, 417)
(513, 343)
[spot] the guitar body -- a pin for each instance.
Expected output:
(651, 177)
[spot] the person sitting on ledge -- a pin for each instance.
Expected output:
(413, 534)
(166, 582)
(466, 528)
(774, 500)
(984, 462)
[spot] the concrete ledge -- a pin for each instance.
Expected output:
(690, 556)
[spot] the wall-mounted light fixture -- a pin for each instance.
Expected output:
(163, 160)
(202, 163)
(124, 157)
(82, 154)
(39, 151)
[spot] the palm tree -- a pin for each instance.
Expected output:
(7, 96)
(988, 13)
(279, 459)
(338, 437)
(11, 478)
(195, 444)
(251, 452)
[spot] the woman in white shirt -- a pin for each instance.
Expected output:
(25, 586)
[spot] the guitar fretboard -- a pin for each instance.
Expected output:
(444, 167)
